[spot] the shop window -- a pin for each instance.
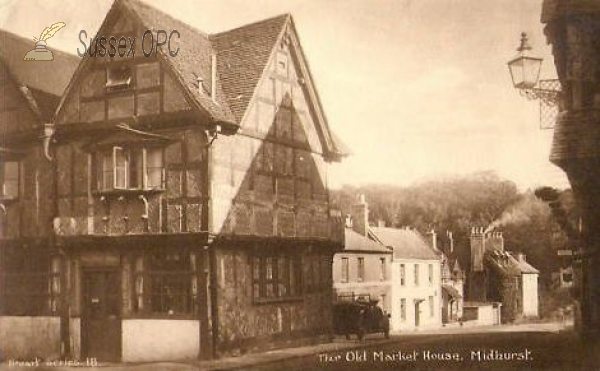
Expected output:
(31, 284)
(167, 284)
(121, 168)
(275, 276)
(118, 78)
(9, 179)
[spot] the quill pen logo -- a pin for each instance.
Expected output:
(40, 53)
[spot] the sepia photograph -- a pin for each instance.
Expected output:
(299, 185)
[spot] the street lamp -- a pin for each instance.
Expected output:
(525, 73)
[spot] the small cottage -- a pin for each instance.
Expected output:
(502, 276)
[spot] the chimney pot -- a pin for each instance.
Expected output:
(433, 239)
(348, 221)
(360, 216)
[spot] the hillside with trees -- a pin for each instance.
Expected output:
(534, 225)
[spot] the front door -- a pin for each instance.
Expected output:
(101, 320)
(417, 312)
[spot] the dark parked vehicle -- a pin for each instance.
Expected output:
(360, 318)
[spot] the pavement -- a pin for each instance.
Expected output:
(251, 360)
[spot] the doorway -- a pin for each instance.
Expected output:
(101, 316)
(418, 312)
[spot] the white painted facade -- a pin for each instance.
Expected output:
(482, 313)
(37, 337)
(375, 282)
(159, 339)
(416, 300)
(530, 294)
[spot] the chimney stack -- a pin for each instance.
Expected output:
(432, 239)
(360, 216)
(450, 242)
(348, 221)
(477, 248)
(495, 241)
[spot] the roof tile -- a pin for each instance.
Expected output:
(243, 54)
(407, 243)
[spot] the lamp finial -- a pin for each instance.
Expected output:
(524, 43)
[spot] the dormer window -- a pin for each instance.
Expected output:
(9, 179)
(135, 168)
(118, 78)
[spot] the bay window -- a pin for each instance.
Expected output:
(122, 168)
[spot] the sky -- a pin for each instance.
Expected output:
(416, 88)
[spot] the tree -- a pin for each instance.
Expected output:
(457, 204)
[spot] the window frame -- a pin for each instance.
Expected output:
(30, 284)
(345, 265)
(360, 269)
(127, 168)
(266, 267)
(382, 269)
(430, 273)
(16, 180)
(149, 283)
(416, 274)
(118, 84)
(402, 274)
(403, 315)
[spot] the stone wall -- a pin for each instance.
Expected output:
(246, 324)
(37, 337)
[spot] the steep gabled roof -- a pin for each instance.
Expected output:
(41, 83)
(243, 54)
(48, 77)
(193, 60)
(407, 243)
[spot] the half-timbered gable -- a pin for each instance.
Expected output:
(191, 194)
(270, 201)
